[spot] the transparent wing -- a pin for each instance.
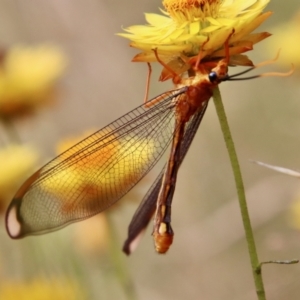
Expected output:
(95, 173)
(147, 207)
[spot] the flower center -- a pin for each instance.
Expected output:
(191, 9)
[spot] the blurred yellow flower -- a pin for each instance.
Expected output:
(287, 38)
(27, 77)
(41, 289)
(17, 162)
(86, 189)
(187, 24)
(294, 217)
(78, 180)
(89, 241)
(69, 142)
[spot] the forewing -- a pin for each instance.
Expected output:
(95, 173)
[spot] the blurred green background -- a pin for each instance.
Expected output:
(208, 259)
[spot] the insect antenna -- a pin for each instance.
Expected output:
(264, 63)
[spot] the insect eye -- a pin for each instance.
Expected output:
(212, 76)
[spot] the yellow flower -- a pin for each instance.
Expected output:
(27, 77)
(187, 24)
(93, 242)
(17, 162)
(287, 38)
(86, 160)
(41, 289)
(294, 216)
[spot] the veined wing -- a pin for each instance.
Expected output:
(147, 207)
(95, 173)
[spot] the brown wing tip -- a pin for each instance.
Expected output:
(132, 242)
(12, 220)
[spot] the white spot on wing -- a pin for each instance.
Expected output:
(12, 223)
(133, 245)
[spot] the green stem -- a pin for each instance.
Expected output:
(117, 258)
(258, 280)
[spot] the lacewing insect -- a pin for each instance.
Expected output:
(101, 169)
